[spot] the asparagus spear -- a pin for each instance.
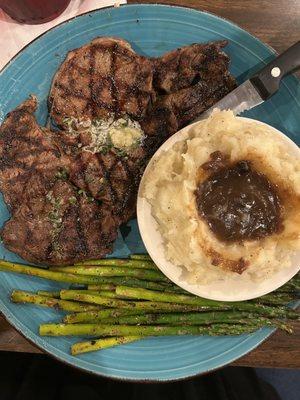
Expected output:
(100, 315)
(114, 303)
(100, 344)
(144, 294)
(91, 298)
(103, 286)
(101, 293)
(54, 295)
(274, 299)
(19, 296)
(114, 262)
(53, 275)
(206, 318)
(72, 278)
(290, 287)
(134, 282)
(202, 318)
(144, 257)
(140, 305)
(96, 316)
(162, 287)
(150, 330)
(144, 274)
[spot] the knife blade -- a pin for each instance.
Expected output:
(259, 87)
(243, 98)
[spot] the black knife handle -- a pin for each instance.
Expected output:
(267, 80)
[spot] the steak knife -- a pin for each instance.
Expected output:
(261, 86)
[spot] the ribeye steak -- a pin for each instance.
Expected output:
(52, 221)
(70, 189)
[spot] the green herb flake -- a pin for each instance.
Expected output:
(62, 174)
(105, 149)
(72, 200)
(120, 152)
(49, 195)
(90, 178)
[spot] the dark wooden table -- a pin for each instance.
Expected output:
(277, 23)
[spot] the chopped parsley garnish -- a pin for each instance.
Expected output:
(62, 174)
(72, 200)
(121, 153)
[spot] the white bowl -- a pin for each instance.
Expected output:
(229, 290)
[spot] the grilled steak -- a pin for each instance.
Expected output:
(187, 81)
(104, 77)
(56, 225)
(171, 91)
(111, 178)
(26, 147)
(52, 221)
(182, 68)
(173, 111)
(71, 189)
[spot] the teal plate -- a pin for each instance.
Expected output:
(152, 30)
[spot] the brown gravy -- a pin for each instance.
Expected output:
(237, 202)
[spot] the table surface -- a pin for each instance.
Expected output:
(276, 23)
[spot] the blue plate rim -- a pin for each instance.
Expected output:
(26, 332)
(149, 5)
(165, 5)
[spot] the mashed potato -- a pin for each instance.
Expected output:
(170, 189)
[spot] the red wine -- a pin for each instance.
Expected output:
(33, 11)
